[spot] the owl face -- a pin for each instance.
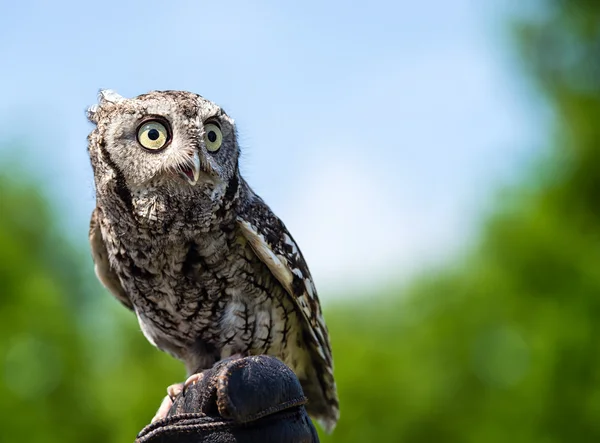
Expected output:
(163, 139)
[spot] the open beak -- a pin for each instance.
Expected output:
(191, 171)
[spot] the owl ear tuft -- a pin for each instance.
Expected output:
(91, 113)
(108, 95)
(104, 96)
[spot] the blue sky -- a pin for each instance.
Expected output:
(378, 131)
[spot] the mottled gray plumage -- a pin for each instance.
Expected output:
(179, 237)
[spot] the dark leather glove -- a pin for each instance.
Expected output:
(252, 399)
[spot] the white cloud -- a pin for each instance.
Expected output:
(355, 229)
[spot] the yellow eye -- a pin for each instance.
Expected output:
(153, 135)
(212, 137)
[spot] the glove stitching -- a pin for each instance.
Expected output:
(222, 389)
(204, 399)
(299, 401)
(173, 420)
(195, 427)
(188, 429)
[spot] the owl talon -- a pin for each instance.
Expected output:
(175, 389)
(172, 392)
(192, 380)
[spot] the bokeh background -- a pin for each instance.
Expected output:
(438, 162)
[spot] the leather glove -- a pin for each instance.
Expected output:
(251, 399)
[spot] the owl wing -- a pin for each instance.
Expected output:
(275, 247)
(104, 272)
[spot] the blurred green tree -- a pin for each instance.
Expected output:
(505, 348)
(74, 366)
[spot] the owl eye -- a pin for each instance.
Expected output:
(212, 137)
(153, 135)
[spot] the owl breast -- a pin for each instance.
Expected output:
(207, 297)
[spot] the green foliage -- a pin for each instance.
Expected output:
(504, 348)
(74, 365)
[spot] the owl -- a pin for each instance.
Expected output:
(180, 238)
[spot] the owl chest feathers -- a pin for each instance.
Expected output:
(204, 295)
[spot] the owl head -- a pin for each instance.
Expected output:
(172, 139)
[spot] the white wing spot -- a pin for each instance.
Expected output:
(297, 272)
(287, 239)
(309, 288)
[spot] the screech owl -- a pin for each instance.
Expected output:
(179, 238)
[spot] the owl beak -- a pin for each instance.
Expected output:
(191, 172)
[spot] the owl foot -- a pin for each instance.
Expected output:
(172, 392)
(163, 409)
(175, 389)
